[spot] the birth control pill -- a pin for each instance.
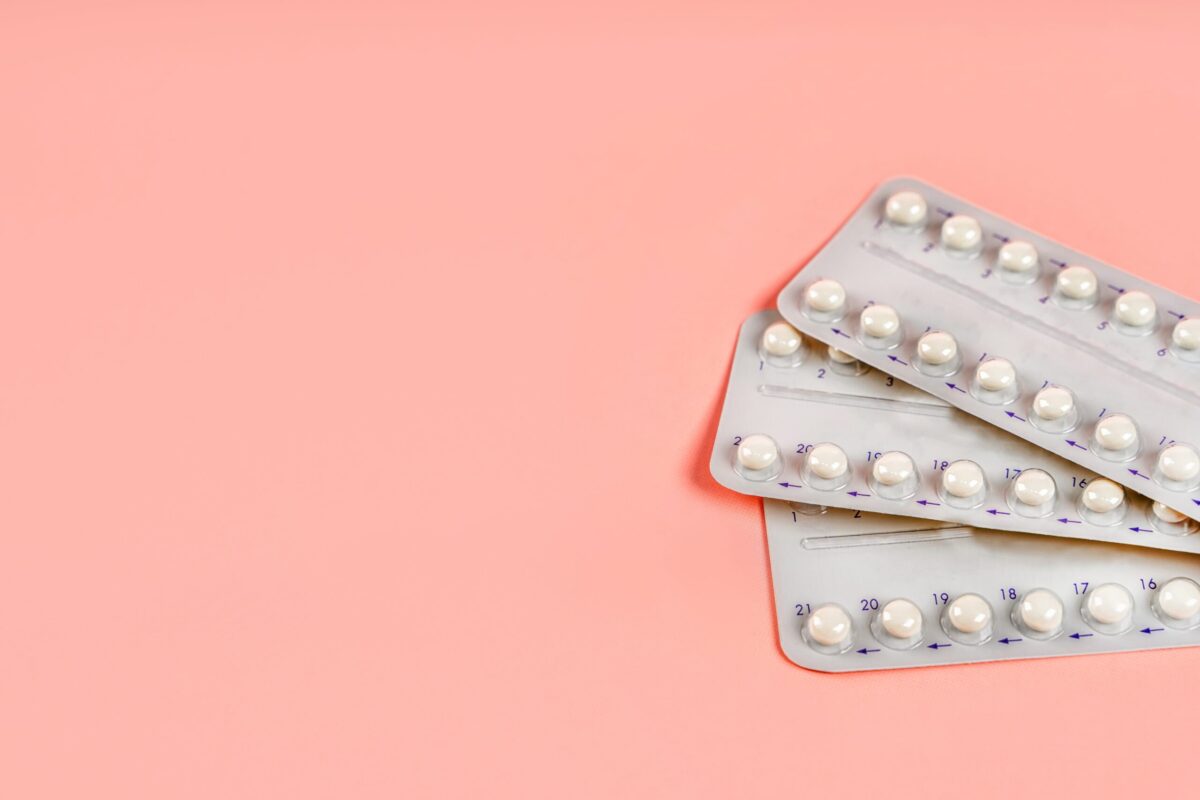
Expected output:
(1017, 256)
(1039, 612)
(893, 469)
(937, 348)
(1186, 335)
(969, 613)
(906, 208)
(825, 295)
(1053, 403)
(781, 339)
(1135, 309)
(1102, 496)
(961, 233)
(1110, 604)
(757, 452)
(1178, 599)
(900, 619)
(962, 479)
(880, 321)
(828, 626)
(1179, 463)
(1034, 487)
(828, 461)
(840, 356)
(1167, 514)
(1077, 283)
(996, 374)
(1116, 432)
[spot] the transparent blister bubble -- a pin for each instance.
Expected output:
(1102, 503)
(937, 355)
(1076, 288)
(845, 364)
(879, 327)
(824, 300)
(1038, 614)
(826, 467)
(961, 237)
(1170, 522)
(894, 476)
(1108, 609)
(995, 382)
(757, 457)
(1018, 263)
(1032, 493)
(1134, 313)
(963, 485)
(828, 629)
(782, 346)
(1176, 602)
(1054, 409)
(1177, 467)
(898, 625)
(968, 619)
(1115, 437)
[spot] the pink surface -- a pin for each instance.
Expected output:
(361, 364)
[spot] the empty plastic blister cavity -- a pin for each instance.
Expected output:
(782, 346)
(879, 327)
(1102, 502)
(1115, 437)
(898, 625)
(1054, 409)
(937, 354)
(1178, 467)
(1076, 288)
(843, 363)
(826, 467)
(825, 301)
(1108, 609)
(1038, 614)
(1135, 313)
(828, 629)
(963, 485)
(967, 619)
(894, 476)
(758, 458)
(1177, 603)
(995, 382)
(1032, 493)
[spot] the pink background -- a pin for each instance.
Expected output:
(360, 366)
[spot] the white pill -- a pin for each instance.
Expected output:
(906, 208)
(1116, 432)
(1179, 598)
(892, 468)
(828, 626)
(879, 320)
(937, 348)
(1078, 283)
(901, 619)
(1053, 402)
(1110, 604)
(757, 451)
(1102, 495)
(781, 339)
(996, 374)
(1186, 335)
(825, 295)
(1041, 611)
(828, 461)
(962, 479)
(840, 357)
(1136, 309)
(1034, 487)
(1179, 462)
(969, 613)
(1017, 257)
(961, 232)
(1167, 514)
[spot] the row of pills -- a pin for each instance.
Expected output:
(969, 618)
(993, 381)
(1075, 287)
(893, 476)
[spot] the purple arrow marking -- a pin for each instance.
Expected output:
(1116, 289)
(927, 503)
(1139, 474)
(1013, 414)
(1074, 443)
(1175, 314)
(858, 494)
(898, 360)
(1007, 640)
(937, 645)
(1066, 521)
(995, 511)
(866, 650)
(787, 485)
(839, 333)
(1081, 635)
(1152, 630)
(955, 387)
(1141, 530)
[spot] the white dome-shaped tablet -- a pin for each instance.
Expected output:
(1053, 402)
(880, 321)
(840, 356)
(825, 295)
(969, 613)
(1102, 496)
(937, 348)
(828, 461)
(1167, 514)
(996, 374)
(781, 339)
(1186, 334)
(1179, 462)
(1017, 257)
(1135, 309)
(1116, 432)
(892, 469)
(901, 619)
(961, 232)
(906, 208)
(1179, 598)
(1077, 283)
(1040, 611)
(757, 452)
(1034, 487)
(828, 626)
(1109, 604)
(962, 479)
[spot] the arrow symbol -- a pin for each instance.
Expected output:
(858, 494)
(1058, 263)
(936, 645)
(944, 212)
(1066, 521)
(927, 503)
(839, 333)
(866, 650)
(787, 485)
(1151, 630)
(1139, 474)
(1197, 502)
(1074, 443)
(1081, 635)
(1116, 289)
(1014, 415)
(1175, 314)
(1001, 237)
(995, 511)
(1007, 640)
(898, 360)
(1141, 530)
(955, 388)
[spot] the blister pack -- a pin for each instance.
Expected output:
(805, 422)
(1076, 356)
(860, 591)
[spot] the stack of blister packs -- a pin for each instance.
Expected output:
(973, 444)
